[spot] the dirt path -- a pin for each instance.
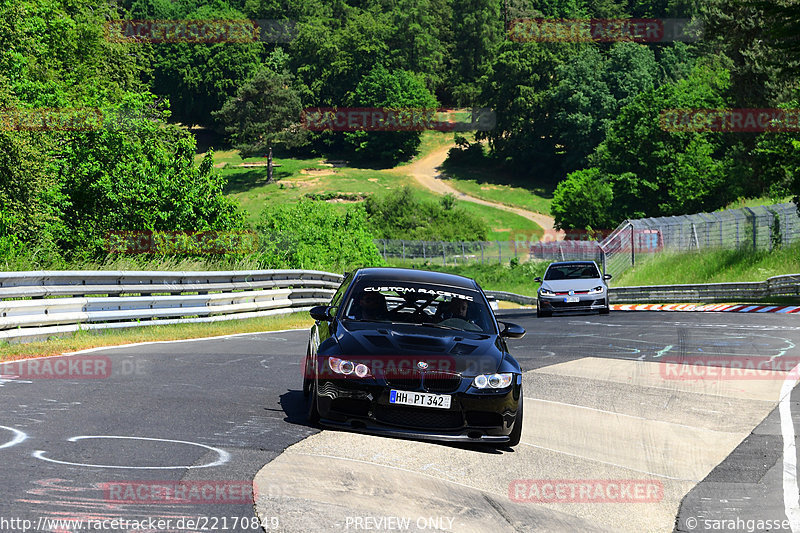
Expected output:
(426, 171)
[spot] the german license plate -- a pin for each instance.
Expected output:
(419, 399)
(571, 299)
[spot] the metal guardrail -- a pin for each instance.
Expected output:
(788, 285)
(38, 304)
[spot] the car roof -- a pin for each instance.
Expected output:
(412, 275)
(571, 263)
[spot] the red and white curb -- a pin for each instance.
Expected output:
(719, 308)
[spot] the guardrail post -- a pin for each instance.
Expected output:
(633, 248)
(755, 227)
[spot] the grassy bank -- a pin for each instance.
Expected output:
(712, 267)
(82, 340)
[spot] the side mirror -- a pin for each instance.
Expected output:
(512, 331)
(537, 279)
(607, 276)
(321, 313)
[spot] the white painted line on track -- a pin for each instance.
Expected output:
(791, 494)
(19, 436)
(223, 458)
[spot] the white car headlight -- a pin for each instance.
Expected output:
(596, 290)
(546, 292)
(343, 366)
(492, 381)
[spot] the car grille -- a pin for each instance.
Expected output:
(419, 418)
(404, 380)
(585, 303)
(436, 381)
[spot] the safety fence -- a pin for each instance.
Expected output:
(756, 228)
(444, 253)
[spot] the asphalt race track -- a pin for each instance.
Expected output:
(599, 408)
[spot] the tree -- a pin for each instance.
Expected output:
(199, 77)
(516, 86)
(583, 201)
(140, 176)
(264, 112)
(316, 235)
(477, 31)
(396, 89)
(660, 171)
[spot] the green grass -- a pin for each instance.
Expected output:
(712, 267)
(483, 179)
(295, 178)
(82, 340)
(755, 202)
(502, 224)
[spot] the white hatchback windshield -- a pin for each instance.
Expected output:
(576, 271)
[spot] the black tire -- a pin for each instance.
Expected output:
(312, 415)
(540, 313)
(604, 311)
(306, 373)
(516, 433)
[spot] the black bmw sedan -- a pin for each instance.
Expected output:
(413, 354)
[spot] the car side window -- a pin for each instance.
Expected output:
(336, 301)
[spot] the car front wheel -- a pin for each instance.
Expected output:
(540, 313)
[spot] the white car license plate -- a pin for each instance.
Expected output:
(572, 299)
(420, 399)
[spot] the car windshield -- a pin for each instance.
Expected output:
(576, 271)
(425, 305)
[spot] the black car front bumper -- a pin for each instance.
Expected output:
(475, 415)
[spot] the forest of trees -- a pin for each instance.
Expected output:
(584, 114)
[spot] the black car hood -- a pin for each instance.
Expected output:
(463, 351)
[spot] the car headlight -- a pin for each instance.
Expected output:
(343, 366)
(492, 381)
(546, 292)
(596, 290)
